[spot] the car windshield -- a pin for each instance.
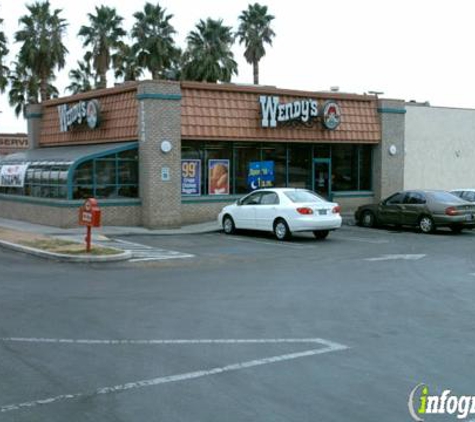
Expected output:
(445, 197)
(303, 196)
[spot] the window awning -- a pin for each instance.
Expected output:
(66, 155)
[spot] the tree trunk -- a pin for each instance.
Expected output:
(155, 74)
(255, 67)
(102, 83)
(44, 89)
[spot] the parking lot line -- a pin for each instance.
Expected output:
(141, 253)
(329, 346)
(169, 341)
(366, 240)
(274, 243)
(391, 257)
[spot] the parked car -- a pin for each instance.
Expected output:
(283, 211)
(467, 194)
(425, 209)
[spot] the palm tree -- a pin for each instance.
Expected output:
(43, 50)
(3, 53)
(208, 56)
(82, 78)
(153, 35)
(25, 88)
(126, 64)
(103, 36)
(254, 31)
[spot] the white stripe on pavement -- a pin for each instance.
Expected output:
(330, 347)
(275, 243)
(410, 257)
(365, 240)
(170, 341)
(143, 252)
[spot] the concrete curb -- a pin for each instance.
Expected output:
(64, 257)
(170, 232)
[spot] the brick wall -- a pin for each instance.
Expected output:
(159, 117)
(349, 204)
(388, 170)
(67, 217)
(200, 212)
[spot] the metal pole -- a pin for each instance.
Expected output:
(88, 239)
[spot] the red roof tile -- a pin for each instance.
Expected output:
(231, 112)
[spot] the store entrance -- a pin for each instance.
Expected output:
(322, 183)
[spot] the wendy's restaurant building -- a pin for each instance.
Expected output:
(163, 154)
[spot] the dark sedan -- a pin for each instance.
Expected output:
(425, 209)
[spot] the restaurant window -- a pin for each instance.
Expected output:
(277, 155)
(42, 180)
(365, 167)
(299, 166)
(244, 155)
(321, 151)
(345, 168)
(106, 177)
(249, 164)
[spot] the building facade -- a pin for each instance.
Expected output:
(439, 150)
(11, 143)
(163, 154)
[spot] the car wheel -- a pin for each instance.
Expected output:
(456, 229)
(426, 224)
(228, 225)
(368, 219)
(281, 229)
(321, 234)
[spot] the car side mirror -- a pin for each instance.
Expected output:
(238, 202)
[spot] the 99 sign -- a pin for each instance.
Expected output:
(188, 169)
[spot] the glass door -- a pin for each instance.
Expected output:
(322, 182)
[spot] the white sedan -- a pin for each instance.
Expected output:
(467, 194)
(282, 211)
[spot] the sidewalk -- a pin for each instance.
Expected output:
(208, 227)
(15, 233)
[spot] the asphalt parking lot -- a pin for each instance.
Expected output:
(241, 327)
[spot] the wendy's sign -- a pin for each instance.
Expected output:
(274, 112)
(83, 111)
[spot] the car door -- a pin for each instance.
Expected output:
(389, 212)
(245, 213)
(413, 206)
(267, 210)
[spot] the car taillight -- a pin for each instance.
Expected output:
(336, 210)
(305, 210)
(451, 211)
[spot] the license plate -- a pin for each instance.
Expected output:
(322, 212)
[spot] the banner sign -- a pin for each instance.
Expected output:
(13, 175)
(261, 174)
(218, 177)
(191, 177)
